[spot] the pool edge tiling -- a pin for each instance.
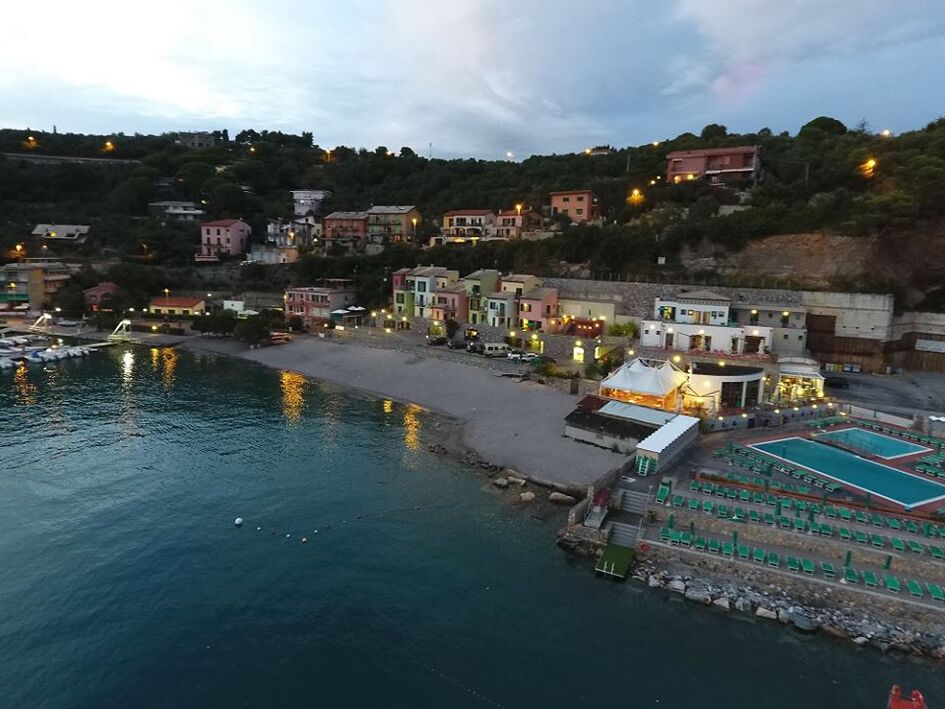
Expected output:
(908, 447)
(921, 485)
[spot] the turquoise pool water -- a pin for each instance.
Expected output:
(875, 478)
(875, 443)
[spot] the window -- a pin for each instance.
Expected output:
(580, 198)
(785, 320)
(785, 337)
(218, 233)
(422, 286)
(565, 199)
(526, 307)
(580, 211)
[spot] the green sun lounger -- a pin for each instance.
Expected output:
(694, 486)
(914, 588)
(869, 578)
(800, 525)
(827, 568)
(774, 560)
(845, 534)
(769, 519)
(721, 511)
(685, 539)
(936, 553)
(892, 583)
(851, 575)
(845, 514)
(675, 537)
(728, 549)
(754, 516)
(935, 591)
(826, 530)
(877, 540)
(893, 523)
(693, 504)
(861, 517)
(861, 537)
(700, 544)
(760, 555)
(708, 506)
(715, 546)
(830, 511)
(662, 494)
(877, 521)
(808, 566)
(916, 548)
(792, 564)
(678, 500)
(912, 527)
(897, 544)
(743, 551)
(665, 533)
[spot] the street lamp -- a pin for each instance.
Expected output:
(518, 209)
(414, 222)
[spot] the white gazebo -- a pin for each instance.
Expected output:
(647, 382)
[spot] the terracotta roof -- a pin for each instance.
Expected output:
(571, 192)
(161, 301)
(347, 215)
(476, 212)
(738, 150)
(221, 222)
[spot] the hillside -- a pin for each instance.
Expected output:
(836, 207)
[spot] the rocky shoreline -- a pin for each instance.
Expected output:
(888, 635)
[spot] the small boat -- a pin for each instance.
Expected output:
(897, 701)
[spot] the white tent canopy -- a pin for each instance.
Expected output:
(641, 377)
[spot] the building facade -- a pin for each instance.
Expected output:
(519, 283)
(314, 304)
(479, 284)
(32, 283)
(391, 225)
(345, 230)
(717, 165)
(451, 302)
(469, 222)
(502, 309)
(225, 237)
(538, 309)
(578, 205)
(309, 202)
(96, 294)
(512, 223)
(176, 209)
(73, 234)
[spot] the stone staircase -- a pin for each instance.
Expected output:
(623, 534)
(634, 501)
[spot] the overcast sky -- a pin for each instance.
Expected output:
(472, 77)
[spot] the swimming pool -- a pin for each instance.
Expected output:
(865, 475)
(876, 443)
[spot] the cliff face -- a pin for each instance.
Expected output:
(913, 259)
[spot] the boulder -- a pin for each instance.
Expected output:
(654, 582)
(784, 616)
(527, 496)
(742, 604)
(560, 498)
(860, 640)
(698, 595)
(803, 622)
(722, 603)
(500, 482)
(677, 586)
(763, 612)
(517, 481)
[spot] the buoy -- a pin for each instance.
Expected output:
(238, 521)
(258, 529)
(304, 540)
(287, 536)
(314, 531)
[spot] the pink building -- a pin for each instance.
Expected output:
(451, 302)
(579, 205)
(510, 223)
(95, 294)
(537, 308)
(225, 237)
(717, 165)
(315, 304)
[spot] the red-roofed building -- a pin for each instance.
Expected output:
(95, 294)
(578, 205)
(173, 305)
(469, 222)
(224, 237)
(717, 165)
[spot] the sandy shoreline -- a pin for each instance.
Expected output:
(512, 424)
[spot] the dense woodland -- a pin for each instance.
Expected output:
(816, 179)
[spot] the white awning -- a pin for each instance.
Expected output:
(800, 371)
(641, 377)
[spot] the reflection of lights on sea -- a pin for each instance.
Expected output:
(127, 367)
(155, 359)
(388, 406)
(170, 366)
(26, 392)
(412, 427)
(293, 395)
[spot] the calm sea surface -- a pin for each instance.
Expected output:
(124, 583)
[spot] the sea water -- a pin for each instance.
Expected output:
(125, 583)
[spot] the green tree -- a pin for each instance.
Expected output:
(252, 331)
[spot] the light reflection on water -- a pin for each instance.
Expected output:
(412, 426)
(293, 395)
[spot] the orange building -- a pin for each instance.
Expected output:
(579, 205)
(717, 165)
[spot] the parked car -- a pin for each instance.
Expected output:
(495, 349)
(544, 359)
(515, 355)
(475, 347)
(456, 345)
(437, 341)
(836, 383)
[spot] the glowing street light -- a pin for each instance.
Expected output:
(636, 197)
(109, 146)
(518, 209)
(868, 168)
(886, 133)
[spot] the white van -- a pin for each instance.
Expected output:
(495, 349)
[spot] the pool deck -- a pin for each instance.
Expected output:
(897, 463)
